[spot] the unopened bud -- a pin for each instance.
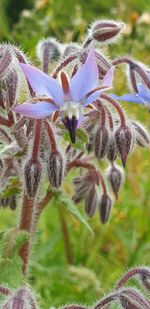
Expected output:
(101, 142)
(20, 137)
(90, 201)
(32, 174)
(131, 298)
(123, 137)
(106, 31)
(5, 61)
(115, 176)
(112, 150)
(12, 88)
(48, 48)
(71, 49)
(105, 206)
(55, 169)
(142, 137)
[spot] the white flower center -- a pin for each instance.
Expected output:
(70, 109)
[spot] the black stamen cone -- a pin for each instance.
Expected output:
(71, 126)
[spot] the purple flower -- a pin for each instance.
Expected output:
(142, 97)
(70, 98)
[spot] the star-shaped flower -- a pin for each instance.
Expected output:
(68, 98)
(142, 97)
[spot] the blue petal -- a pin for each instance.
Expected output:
(86, 78)
(144, 92)
(42, 84)
(129, 98)
(38, 110)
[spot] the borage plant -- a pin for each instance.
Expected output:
(69, 120)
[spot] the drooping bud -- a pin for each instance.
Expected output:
(91, 201)
(142, 137)
(115, 176)
(21, 299)
(48, 50)
(145, 277)
(106, 31)
(131, 298)
(112, 150)
(71, 48)
(20, 137)
(105, 206)
(101, 142)
(12, 88)
(55, 169)
(32, 175)
(123, 138)
(5, 61)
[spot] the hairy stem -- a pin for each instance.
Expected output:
(65, 233)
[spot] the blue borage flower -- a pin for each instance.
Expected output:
(142, 97)
(68, 98)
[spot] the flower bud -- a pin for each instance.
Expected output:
(48, 48)
(20, 137)
(115, 178)
(123, 137)
(12, 88)
(90, 201)
(32, 175)
(142, 137)
(112, 150)
(55, 169)
(106, 31)
(71, 48)
(105, 206)
(131, 298)
(5, 61)
(101, 142)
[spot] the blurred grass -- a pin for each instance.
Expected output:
(125, 241)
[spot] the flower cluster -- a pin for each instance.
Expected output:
(69, 118)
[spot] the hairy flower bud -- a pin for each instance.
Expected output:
(21, 299)
(71, 48)
(55, 167)
(123, 137)
(101, 142)
(48, 48)
(106, 31)
(115, 177)
(131, 298)
(32, 175)
(142, 137)
(5, 60)
(12, 88)
(112, 150)
(90, 201)
(105, 206)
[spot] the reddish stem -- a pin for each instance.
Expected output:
(37, 137)
(65, 233)
(51, 136)
(64, 64)
(117, 107)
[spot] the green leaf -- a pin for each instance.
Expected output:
(62, 198)
(82, 135)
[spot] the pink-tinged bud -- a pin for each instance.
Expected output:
(112, 150)
(12, 88)
(4, 290)
(101, 142)
(105, 206)
(32, 176)
(115, 177)
(142, 137)
(5, 61)
(21, 299)
(55, 169)
(91, 201)
(123, 137)
(106, 31)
